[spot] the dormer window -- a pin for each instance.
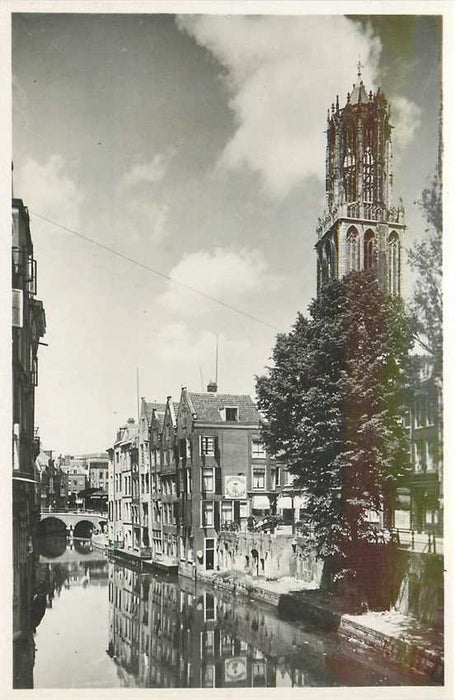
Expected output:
(231, 414)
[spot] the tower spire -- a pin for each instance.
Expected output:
(359, 69)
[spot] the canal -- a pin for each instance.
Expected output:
(101, 624)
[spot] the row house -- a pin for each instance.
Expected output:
(224, 473)
(186, 472)
(120, 529)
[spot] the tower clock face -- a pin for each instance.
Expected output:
(235, 486)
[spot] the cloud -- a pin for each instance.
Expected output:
(224, 274)
(282, 73)
(49, 190)
(149, 219)
(406, 118)
(147, 173)
(175, 344)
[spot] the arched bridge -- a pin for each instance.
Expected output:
(77, 524)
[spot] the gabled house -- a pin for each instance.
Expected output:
(224, 474)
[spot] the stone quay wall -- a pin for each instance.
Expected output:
(269, 556)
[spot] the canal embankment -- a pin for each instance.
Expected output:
(400, 637)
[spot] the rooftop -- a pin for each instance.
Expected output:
(208, 407)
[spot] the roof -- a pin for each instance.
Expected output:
(359, 94)
(150, 406)
(207, 407)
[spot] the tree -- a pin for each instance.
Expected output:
(332, 405)
(425, 257)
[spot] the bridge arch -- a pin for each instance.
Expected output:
(52, 526)
(84, 529)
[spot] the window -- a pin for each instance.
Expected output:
(209, 607)
(208, 482)
(244, 509)
(209, 554)
(353, 250)
(273, 479)
(394, 263)
(231, 414)
(227, 515)
(368, 174)
(208, 677)
(259, 478)
(207, 445)
(258, 450)
(369, 251)
(207, 514)
(420, 456)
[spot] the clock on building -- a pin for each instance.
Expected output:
(235, 486)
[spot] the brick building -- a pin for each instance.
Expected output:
(224, 473)
(28, 327)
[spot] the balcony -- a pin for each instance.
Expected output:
(360, 210)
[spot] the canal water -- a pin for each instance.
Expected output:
(103, 625)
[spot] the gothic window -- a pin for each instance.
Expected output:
(330, 260)
(369, 250)
(353, 250)
(349, 174)
(368, 168)
(393, 260)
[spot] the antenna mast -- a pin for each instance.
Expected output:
(137, 393)
(202, 379)
(216, 362)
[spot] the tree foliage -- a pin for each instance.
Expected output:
(332, 404)
(425, 257)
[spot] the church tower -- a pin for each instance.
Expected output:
(360, 229)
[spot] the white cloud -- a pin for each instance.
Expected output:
(150, 219)
(175, 344)
(224, 274)
(49, 190)
(282, 74)
(147, 173)
(406, 118)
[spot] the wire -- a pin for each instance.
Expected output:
(155, 272)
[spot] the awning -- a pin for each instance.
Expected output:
(284, 502)
(300, 501)
(261, 503)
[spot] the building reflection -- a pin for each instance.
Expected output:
(166, 633)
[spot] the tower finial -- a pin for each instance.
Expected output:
(359, 69)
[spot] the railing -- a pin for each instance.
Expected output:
(427, 542)
(360, 210)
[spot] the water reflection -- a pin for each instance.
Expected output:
(167, 632)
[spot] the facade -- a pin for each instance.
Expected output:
(53, 484)
(224, 473)
(121, 466)
(28, 327)
(97, 466)
(77, 476)
(419, 504)
(360, 228)
(188, 472)
(155, 448)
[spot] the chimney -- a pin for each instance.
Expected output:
(212, 387)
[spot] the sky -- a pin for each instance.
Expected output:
(195, 146)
